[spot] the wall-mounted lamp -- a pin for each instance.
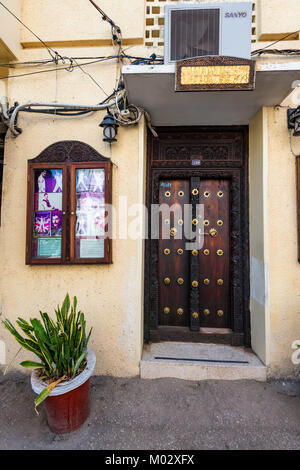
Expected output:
(110, 128)
(293, 116)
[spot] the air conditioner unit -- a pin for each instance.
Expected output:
(223, 29)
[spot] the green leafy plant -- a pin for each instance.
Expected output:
(61, 345)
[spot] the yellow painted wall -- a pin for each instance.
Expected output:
(78, 20)
(277, 16)
(275, 271)
(110, 295)
(9, 31)
(284, 285)
(3, 87)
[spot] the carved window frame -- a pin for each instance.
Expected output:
(68, 156)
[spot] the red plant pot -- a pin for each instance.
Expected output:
(68, 405)
(68, 412)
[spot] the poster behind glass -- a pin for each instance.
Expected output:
(47, 218)
(90, 213)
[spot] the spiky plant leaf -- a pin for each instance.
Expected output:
(32, 365)
(46, 392)
(78, 363)
(60, 344)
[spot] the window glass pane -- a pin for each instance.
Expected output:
(47, 219)
(90, 213)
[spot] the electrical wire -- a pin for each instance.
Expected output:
(49, 49)
(89, 75)
(56, 55)
(54, 70)
(292, 146)
(135, 60)
(59, 110)
(259, 51)
(115, 29)
(33, 63)
(290, 52)
(69, 68)
(116, 103)
(37, 63)
(12, 121)
(64, 111)
(56, 112)
(128, 115)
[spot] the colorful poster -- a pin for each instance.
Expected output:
(90, 213)
(48, 213)
(42, 223)
(49, 248)
(81, 224)
(90, 180)
(48, 181)
(49, 201)
(90, 224)
(89, 201)
(91, 248)
(56, 223)
(99, 223)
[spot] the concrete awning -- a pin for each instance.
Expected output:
(152, 87)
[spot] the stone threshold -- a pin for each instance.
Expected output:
(198, 361)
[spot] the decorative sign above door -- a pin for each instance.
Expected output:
(215, 73)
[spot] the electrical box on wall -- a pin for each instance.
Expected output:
(216, 29)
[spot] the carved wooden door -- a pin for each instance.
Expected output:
(173, 258)
(214, 258)
(194, 284)
(215, 293)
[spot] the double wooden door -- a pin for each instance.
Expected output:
(194, 279)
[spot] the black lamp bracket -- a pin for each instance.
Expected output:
(293, 117)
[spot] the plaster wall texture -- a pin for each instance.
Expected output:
(3, 87)
(73, 20)
(284, 269)
(274, 269)
(110, 295)
(277, 16)
(9, 30)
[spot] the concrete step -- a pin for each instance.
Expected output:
(195, 361)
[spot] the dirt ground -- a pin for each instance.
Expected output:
(163, 414)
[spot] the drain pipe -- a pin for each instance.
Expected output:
(16, 131)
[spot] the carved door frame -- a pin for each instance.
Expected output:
(223, 154)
